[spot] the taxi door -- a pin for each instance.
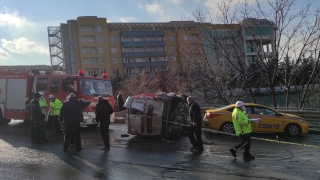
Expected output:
(269, 122)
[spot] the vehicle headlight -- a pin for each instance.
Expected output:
(302, 120)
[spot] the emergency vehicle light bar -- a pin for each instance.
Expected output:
(81, 72)
(105, 75)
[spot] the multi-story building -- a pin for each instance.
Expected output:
(92, 44)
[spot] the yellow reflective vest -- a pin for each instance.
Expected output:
(241, 122)
(43, 105)
(55, 107)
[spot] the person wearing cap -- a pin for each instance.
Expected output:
(29, 119)
(103, 112)
(55, 105)
(195, 133)
(37, 119)
(242, 127)
(71, 116)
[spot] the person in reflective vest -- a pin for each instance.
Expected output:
(55, 105)
(242, 127)
(43, 104)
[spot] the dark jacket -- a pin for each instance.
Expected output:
(120, 101)
(71, 110)
(36, 113)
(103, 111)
(27, 104)
(195, 113)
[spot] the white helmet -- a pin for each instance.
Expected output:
(50, 97)
(41, 93)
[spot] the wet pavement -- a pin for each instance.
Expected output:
(153, 158)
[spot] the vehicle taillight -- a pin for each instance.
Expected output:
(212, 115)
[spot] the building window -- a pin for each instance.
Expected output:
(152, 69)
(114, 60)
(112, 39)
(99, 28)
(89, 50)
(99, 39)
(161, 48)
(185, 37)
(113, 50)
(101, 61)
(138, 49)
(152, 59)
(162, 58)
(116, 71)
(100, 50)
(171, 38)
(127, 49)
(88, 39)
(150, 49)
(172, 48)
(160, 38)
(150, 38)
(186, 47)
(137, 39)
(127, 60)
(128, 70)
(173, 68)
(90, 61)
(173, 58)
(126, 39)
(86, 28)
(102, 70)
(140, 59)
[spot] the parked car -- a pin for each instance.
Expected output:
(272, 121)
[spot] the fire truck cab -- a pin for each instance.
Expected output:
(15, 86)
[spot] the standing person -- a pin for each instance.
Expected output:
(55, 105)
(43, 104)
(196, 124)
(120, 101)
(71, 116)
(242, 127)
(28, 110)
(37, 119)
(103, 112)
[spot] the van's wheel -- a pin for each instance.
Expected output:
(227, 127)
(293, 130)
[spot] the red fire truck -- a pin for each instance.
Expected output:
(16, 84)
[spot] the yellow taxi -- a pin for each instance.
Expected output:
(270, 120)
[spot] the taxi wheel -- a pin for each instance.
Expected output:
(293, 129)
(227, 127)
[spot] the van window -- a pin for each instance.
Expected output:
(42, 84)
(54, 85)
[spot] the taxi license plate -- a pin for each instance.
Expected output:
(86, 117)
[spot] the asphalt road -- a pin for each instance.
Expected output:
(152, 158)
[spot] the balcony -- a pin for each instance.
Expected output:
(145, 64)
(143, 43)
(143, 54)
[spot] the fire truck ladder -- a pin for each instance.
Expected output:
(34, 69)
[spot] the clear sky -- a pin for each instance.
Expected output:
(23, 23)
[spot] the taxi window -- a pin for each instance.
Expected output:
(263, 111)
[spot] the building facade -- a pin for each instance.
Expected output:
(92, 44)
